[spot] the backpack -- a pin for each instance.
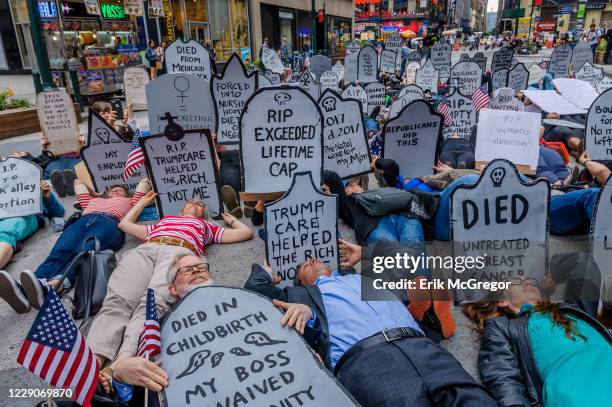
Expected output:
(386, 200)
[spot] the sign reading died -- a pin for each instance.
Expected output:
(20, 193)
(188, 57)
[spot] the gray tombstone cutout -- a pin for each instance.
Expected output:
(375, 92)
(407, 95)
(411, 138)
(502, 59)
(20, 193)
(272, 77)
(604, 84)
(345, 146)
(504, 221)
(134, 82)
(281, 133)
(359, 93)
(188, 58)
(183, 169)
(338, 69)
(319, 64)
(272, 61)
(560, 61)
(601, 231)
(518, 77)
(414, 56)
(598, 131)
(353, 47)
(58, 121)
(464, 58)
(504, 99)
(367, 64)
(536, 74)
(307, 82)
(590, 74)
(105, 155)
(441, 59)
(387, 61)
(581, 54)
(463, 116)
(499, 79)
(350, 67)
(231, 92)
(481, 60)
(468, 75)
(329, 80)
(262, 81)
(223, 346)
(187, 97)
(394, 42)
(303, 224)
(427, 77)
(411, 72)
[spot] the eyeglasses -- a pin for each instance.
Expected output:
(523, 281)
(189, 270)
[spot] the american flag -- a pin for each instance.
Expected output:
(149, 344)
(444, 110)
(55, 351)
(135, 157)
(480, 97)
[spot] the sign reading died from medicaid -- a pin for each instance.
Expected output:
(302, 225)
(463, 116)
(345, 146)
(271, 60)
(188, 58)
(181, 170)
(367, 64)
(440, 57)
(411, 139)
(578, 92)
(598, 131)
(376, 95)
(504, 99)
(281, 135)
(58, 121)
(560, 61)
(601, 230)
(357, 92)
(468, 75)
(134, 82)
(187, 97)
(225, 346)
(20, 193)
(504, 222)
(231, 92)
(502, 59)
(427, 77)
(588, 73)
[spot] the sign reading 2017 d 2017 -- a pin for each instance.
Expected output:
(302, 225)
(188, 57)
(20, 193)
(272, 61)
(345, 147)
(225, 346)
(503, 220)
(181, 170)
(601, 231)
(502, 59)
(411, 139)
(58, 121)
(598, 131)
(231, 92)
(367, 64)
(441, 59)
(560, 61)
(467, 76)
(281, 134)
(462, 114)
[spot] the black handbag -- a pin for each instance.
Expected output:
(92, 269)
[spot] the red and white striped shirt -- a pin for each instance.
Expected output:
(196, 231)
(117, 207)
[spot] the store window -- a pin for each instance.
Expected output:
(221, 32)
(240, 25)
(286, 27)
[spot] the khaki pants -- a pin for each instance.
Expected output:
(118, 325)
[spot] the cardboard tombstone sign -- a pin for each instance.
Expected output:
(499, 79)
(272, 61)
(134, 81)
(504, 99)
(406, 96)
(231, 92)
(414, 56)
(303, 224)
(581, 54)
(345, 146)
(189, 58)
(440, 56)
(307, 82)
(319, 64)
(225, 346)
(560, 61)
(58, 121)
(281, 134)
(551, 101)
(502, 59)
(481, 60)
(578, 92)
(338, 69)
(514, 136)
(394, 43)
(20, 192)
(183, 169)
(411, 139)
(604, 84)
(518, 77)
(387, 61)
(411, 72)
(187, 97)
(598, 131)
(588, 73)
(536, 74)
(272, 77)
(350, 67)
(601, 230)
(464, 58)
(329, 80)
(463, 116)
(427, 77)
(367, 64)
(105, 155)
(262, 81)
(468, 76)
(376, 95)
(504, 221)
(359, 93)
(353, 47)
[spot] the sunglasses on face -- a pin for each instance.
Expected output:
(189, 270)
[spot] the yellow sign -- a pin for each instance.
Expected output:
(523, 27)
(169, 25)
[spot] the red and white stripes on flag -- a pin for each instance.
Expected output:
(135, 158)
(149, 344)
(444, 110)
(480, 97)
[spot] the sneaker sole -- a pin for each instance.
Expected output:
(228, 195)
(32, 289)
(8, 291)
(57, 181)
(69, 177)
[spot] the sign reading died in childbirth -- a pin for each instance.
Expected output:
(345, 147)
(58, 121)
(598, 131)
(601, 231)
(411, 139)
(281, 135)
(231, 92)
(105, 155)
(20, 193)
(463, 116)
(225, 346)
(302, 225)
(187, 97)
(181, 170)
(503, 224)
(189, 58)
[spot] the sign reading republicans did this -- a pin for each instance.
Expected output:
(190, 58)
(20, 193)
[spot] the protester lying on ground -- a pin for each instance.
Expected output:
(599, 172)
(571, 137)
(146, 266)
(375, 348)
(534, 352)
(457, 152)
(552, 167)
(100, 219)
(60, 169)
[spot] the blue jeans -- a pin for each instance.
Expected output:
(572, 210)
(60, 163)
(70, 243)
(442, 218)
(397, 228)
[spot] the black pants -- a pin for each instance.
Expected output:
(458, 153)
(229, 171)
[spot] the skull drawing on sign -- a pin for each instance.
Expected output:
(497, 176)
(329, 103)
(282, 98)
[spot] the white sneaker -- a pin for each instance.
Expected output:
(12, 292)
(35, 289)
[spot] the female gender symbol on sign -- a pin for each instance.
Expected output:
(181, 84)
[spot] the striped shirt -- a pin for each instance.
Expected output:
(196, 231)
(117, 207)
